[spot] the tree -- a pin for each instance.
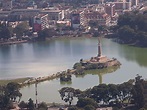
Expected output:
(9, 93)
(137, 92)
(100, 93)
(12, 91)
(4, 99)
(5, 32)
(21, 28)
(125, 92)
(82, 102)
(113, 91)
(141, 22)
(77, 65)
(42, 106)
(132, 28)
(67, 94)
(43, 34)
(31, 105)
(127, 19)
(126, 34)
(22, 104)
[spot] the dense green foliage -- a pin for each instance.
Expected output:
(31, 105)
(21, 29)
(68, 93)
(83, 102)
(5, 32)
(103, 94)
(8, 94)
(139, 92)
(43, 34)
(42, 106)
(65, 78)
(77, 65)
(132, 28)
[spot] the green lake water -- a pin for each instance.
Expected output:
(45, 58)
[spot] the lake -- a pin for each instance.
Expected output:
(45, 58)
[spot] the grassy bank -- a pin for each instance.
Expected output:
(18, 80)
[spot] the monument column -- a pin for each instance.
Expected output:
(99, 48)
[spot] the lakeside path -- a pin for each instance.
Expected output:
(44, 78)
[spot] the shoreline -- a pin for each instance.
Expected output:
(51, 38)
(13, 42)
(119, 41)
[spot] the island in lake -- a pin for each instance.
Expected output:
(98, 62)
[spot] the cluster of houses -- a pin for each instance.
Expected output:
(105, 14)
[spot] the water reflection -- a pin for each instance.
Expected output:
(100, 72)
(5, 54)
(136, 54)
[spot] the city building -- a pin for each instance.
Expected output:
(120, 7)
(53, 14)
(22, 14)
(133, 2)
(40, 22)
(103, 18)
(110, 9)
(75, 20)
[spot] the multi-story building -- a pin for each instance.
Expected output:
(110, 9)
(67, 10)
(75, 20)
(53, 14)
(134, 2)
(22, 14)
(120, 7)
(102, 18)
(40, 22)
